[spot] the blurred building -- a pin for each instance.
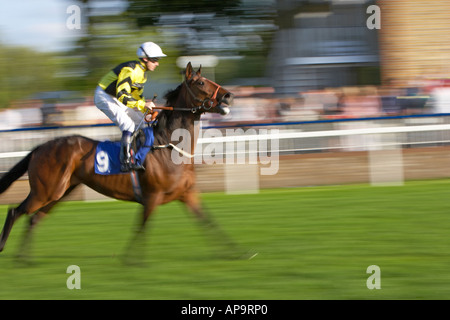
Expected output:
(323, 43)
(414, 40)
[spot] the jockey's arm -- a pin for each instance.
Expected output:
(124, 90)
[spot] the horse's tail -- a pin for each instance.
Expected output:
(15, 173)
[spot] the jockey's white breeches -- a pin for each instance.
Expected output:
(125, 118)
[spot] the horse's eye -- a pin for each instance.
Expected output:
(201, 83)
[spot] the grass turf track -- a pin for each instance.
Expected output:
(313, 243)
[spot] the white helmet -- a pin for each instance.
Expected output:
(150, 50)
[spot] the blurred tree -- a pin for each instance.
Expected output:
(147, 12)
(111, 37)
(238, 31)
(24, 72)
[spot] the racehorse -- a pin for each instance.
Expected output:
(56, 167)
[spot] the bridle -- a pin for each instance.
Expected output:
(205, 104)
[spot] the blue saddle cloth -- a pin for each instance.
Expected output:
(107, 154)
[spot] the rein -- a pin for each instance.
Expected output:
(205, 104)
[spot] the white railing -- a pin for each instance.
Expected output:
(291, 138)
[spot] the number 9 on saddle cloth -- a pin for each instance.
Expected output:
(107, 154)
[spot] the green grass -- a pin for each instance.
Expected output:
(312, 243)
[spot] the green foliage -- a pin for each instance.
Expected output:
(24, 72)
(112, 39)
(147, 12)
(114, 44)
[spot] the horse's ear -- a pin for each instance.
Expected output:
(189, 71)
(199, 71)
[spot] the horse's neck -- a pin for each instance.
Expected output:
(185, 124)
(190, 121)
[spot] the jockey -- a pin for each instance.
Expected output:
(119, 95)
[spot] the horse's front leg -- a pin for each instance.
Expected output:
(228, 248)
(135, 252)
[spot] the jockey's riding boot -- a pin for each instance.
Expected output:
(125, 154)
(126, 161)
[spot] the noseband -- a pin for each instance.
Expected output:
(207, 103)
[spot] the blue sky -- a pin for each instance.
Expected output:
(40, 24)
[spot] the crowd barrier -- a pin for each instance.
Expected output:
(289, 152)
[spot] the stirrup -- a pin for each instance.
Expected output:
(136, 167)
(127, 167)
(124, 167)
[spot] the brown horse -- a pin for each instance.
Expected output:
(56, 167)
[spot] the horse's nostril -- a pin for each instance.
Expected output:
(228, 97)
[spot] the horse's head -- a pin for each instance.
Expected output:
(206, 95)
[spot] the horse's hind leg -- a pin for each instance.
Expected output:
(29, 205)
(10, 219)
(34, 220)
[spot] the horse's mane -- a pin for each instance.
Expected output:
(163, 117)
(171, 96)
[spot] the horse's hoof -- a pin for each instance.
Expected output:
(249, 255)
(239, 255)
